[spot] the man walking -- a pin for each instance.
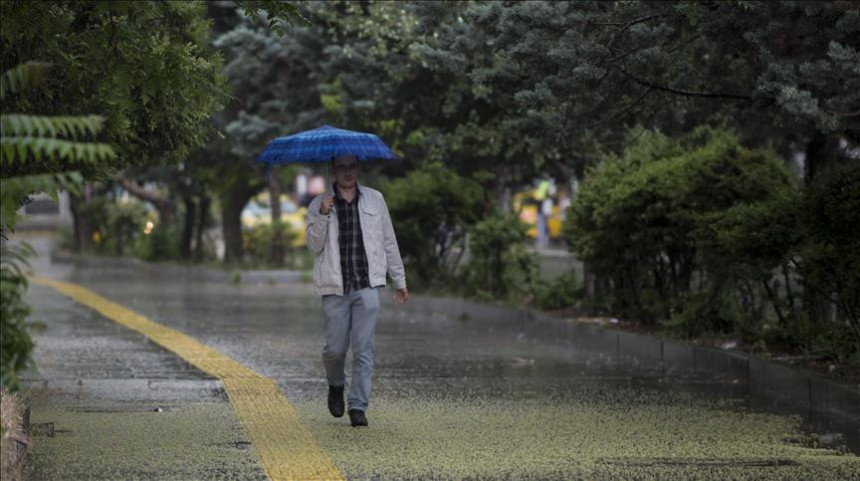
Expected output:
(351, 236)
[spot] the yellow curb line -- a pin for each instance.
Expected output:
(286, 448)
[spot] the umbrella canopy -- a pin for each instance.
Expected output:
(324, 144)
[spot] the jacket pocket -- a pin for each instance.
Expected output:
(371, 221)
(370, 209)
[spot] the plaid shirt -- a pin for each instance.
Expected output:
(353, 258)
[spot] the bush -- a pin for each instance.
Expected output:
(499, 265)
(94, 215)
(15, 341)
(162, 244)
(655, 222)
(829, 259)
(258, 242)
(126, 222)
(563, 292)
(114, 226)
(432, 209)
(705, 237)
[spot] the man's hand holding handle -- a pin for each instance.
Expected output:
(325, 206)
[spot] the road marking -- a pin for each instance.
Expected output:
(286, 448)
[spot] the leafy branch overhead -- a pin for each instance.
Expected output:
(28, 138)
(22, 78)
(145, 67)
(277, 13)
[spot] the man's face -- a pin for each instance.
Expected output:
(345, 171)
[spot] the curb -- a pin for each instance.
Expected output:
(193, 272)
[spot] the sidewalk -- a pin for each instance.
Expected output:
(483, 365)
(106, 403)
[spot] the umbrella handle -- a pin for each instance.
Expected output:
(328, 184)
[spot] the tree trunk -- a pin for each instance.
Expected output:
(789, 294)
(821, 152)
(774, 300)
(231, 218)
(202, 225)
(82, 228)
(277, 248)
(164, 206)
(596, 286)
(77, 223)
(188, 227)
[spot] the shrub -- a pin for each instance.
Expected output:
(829, 260)
(15, 341)
(258, 242)
(94, 214)
(162, 244)
(655, 221)
(126, 222)
(499, 265)
(432, 209)
(562, 292)
(114, 226)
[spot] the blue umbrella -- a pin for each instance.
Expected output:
(324, 144)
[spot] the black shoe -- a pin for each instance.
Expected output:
(335, 401)
(357, 418)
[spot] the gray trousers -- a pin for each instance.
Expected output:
(351, 319)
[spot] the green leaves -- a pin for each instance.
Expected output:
(673, 220)
(432, 209)
(499, 265)
(16, 190)
(145, 67)
(20, 125)
(22, 78)
(15, 342)
(277, 13)
(33, 138)
(20, 149)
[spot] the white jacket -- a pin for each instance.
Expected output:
(380, 245)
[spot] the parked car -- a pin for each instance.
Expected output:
(258, 211)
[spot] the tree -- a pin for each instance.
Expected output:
(26, 139)
(599, 66)
(143, 66)
(268, 71)
(132, 72)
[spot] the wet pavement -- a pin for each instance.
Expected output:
(453, 397)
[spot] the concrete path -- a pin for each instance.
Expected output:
(454, 398)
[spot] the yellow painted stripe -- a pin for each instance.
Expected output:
(286, 448)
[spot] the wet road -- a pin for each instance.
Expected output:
(452, 398)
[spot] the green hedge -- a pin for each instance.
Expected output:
(707, 237)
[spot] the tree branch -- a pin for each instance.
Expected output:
(164, 205)
(845, 114)
(626, 25)
(623, 111)
(685, 93)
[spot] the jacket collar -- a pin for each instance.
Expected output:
(337, 191)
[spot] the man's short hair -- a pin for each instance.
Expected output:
(333, 159)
